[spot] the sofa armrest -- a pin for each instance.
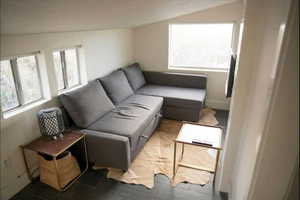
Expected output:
(108, 150)
(176, 79)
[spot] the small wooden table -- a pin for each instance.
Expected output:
(193, 131)
(46, 145)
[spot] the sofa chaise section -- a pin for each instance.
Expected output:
(184, 94)
(179, 103)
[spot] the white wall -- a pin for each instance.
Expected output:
(151, 47)
(278, 157)
(102, 51)
(263, 33)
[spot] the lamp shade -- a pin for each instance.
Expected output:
(51, 122)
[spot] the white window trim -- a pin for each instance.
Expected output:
(21, 109)
(201, 68)
(70, 89)
(22, 105)
(42, 67)
(44, 86)
(197, 69)
(81, 82)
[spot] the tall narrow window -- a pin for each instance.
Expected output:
(59, 70)
(29, 78)
(200, 45)
(9, 97)
(20, 82)
(67, 68)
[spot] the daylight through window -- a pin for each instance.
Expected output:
(67, 69)
(200, 45)
(20, 82)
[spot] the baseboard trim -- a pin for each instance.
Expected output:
(218, 104)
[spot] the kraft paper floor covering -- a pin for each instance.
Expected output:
(157, 157)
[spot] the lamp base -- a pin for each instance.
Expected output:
(61, 136)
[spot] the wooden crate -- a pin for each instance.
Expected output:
(67, 170)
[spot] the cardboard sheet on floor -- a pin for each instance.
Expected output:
(157, 157)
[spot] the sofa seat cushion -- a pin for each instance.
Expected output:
(86, 104)
(142, 110)
(135, 76)
(176, 96)
(117, 86)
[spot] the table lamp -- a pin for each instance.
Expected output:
(51, 122)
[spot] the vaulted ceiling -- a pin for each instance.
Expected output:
(38, 16)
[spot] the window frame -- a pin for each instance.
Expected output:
(199, 68)
(64, 69)
(17, 82)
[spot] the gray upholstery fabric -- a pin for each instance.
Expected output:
(150, 101)
(130, 127)
(116, 134)
(181, 113)
(117, 87)
(135, 76)
(176, 96)
(108, 150)
(87, 104)
(145, 135)
(176, 79)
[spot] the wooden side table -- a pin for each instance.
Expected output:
(193, 131)
(54, 148)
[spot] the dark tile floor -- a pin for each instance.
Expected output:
(94, 186)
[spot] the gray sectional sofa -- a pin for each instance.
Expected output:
(119, 112)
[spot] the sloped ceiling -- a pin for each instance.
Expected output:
(39, 16)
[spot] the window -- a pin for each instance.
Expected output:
(20, 82)
(200, 45)
(67, 69)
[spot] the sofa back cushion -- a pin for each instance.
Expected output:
(86, 104)
(117, 86)
(135, 76)
(176, 79)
